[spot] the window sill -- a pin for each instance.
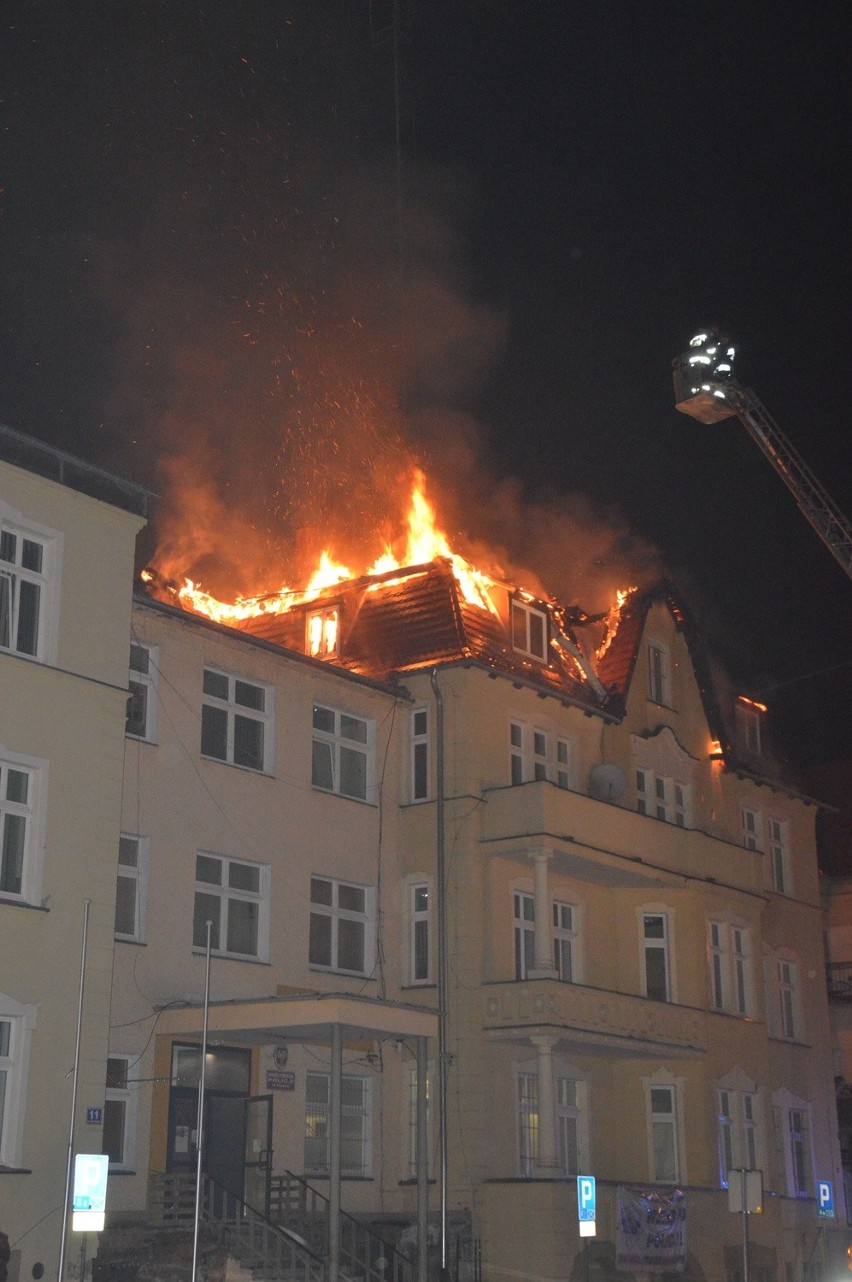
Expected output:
(344, 796)
(140, 738)
(352, 1179)
(262, 772)
(361, 975)
(232, 957)
(22, 903)
(137, 943)
(15, 1170)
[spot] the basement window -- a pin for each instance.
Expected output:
(323, 633)
(529, 631)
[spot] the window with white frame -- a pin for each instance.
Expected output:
(529, 631)
(24, 590)
(534, 753)
(342, 754)
(570, 1105)
(779, 857)
(748, 720)
(119, 1131)
(659, 683)
(565, 941)
(419, 918)
(785, 1013)
(752, 829)
(234, 896)
(737, 1126)
(141, 720)
(356, 1124)
(20, 821)
(323, 632)
(662, 798)
(655, 956)
(524, 928)
(730, 967)
(420, 754)
(17, 1022)
(236, 720)
(412, 1114)
(130, 887)
(664, 1130)
(341, 926)
(793, 1144)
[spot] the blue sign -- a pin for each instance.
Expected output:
(94, 1116)
(825, 1199)
(585, 1197)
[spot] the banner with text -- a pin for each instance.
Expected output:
(651, 1230)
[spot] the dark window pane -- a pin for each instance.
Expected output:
(17, 785)
(128, 852)
(28, 617)
(655, 974)
(12, 860)
(113, 1132)
(31, 555)
(248, 695)
(248, 743)
(421, 779)
(353, 728)
(8, 544)
(116, 1073)
(214, 732)
(139, 659)
(242, 927)
(322, 773)
(208, 870)
(5, 611)
(353, 773)
(324, 720)
(421, 950)
(320, 891)
(216, 684)
(519, 627)
(420, 721)
(654, 928)
(125, 906)
(137, 711)
(206, 909)
(350, 945)
(319, 944)
(352, 898)
(244, 877)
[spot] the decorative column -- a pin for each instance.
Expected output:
(543, 965)
(547, 1156)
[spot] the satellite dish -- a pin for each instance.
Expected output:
(607, 782)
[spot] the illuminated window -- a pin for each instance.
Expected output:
(341, 926)
(236, 720)
(119, 1114)
(130, 887)
(342, 753)
(141, 721)
(234, 896)
(323, 632)
(356, 1124)
(529, 631)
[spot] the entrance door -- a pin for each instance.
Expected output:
(257, 1124)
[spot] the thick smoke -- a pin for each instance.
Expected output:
(296, 328)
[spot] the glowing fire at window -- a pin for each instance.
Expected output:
(323, 628)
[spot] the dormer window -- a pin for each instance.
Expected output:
(749, 721)
(529, 631)
(323, 633)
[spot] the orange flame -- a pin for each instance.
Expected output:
(613, 618)
(424, 542)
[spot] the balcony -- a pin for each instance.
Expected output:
(839, 979)
(594, 1019)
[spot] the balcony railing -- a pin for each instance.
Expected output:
(839, 979)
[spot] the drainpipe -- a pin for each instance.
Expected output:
(442, 965)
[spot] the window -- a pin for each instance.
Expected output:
(141, 722)
(570, 1119)
(748, 719)
(119, 1114)
(658, 674)
(20, 815)
(664, 1132)
(730, 967)
(534, 754)
(23, 589)
(752, 829)
(235, 720)
(323, 632)
(737, 1121)
(787, 1017)
(355, 1124)
(412, 1114)
(341, 927)
(779, 857)
(342, 758)
(793, 1141)
(529, 631)
(419, 754)
(655, 951)
(16, 1025)
(524, 934)
(419, 961)
(234, 896)
(565, 941)
(130, 888)
(662, 798)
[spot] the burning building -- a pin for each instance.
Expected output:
(498, 893)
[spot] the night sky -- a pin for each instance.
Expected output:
(224, 279)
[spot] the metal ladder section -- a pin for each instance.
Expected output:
(813, 500)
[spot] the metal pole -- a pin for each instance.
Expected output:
(61, 1268)
(745, 1229)
(199, 1123)
(442, 965)
(421, 1150)
(334, 1102)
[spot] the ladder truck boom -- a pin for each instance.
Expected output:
(705, 388)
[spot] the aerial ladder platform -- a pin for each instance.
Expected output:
(705, 388)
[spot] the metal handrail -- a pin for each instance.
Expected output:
(256, 1240)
